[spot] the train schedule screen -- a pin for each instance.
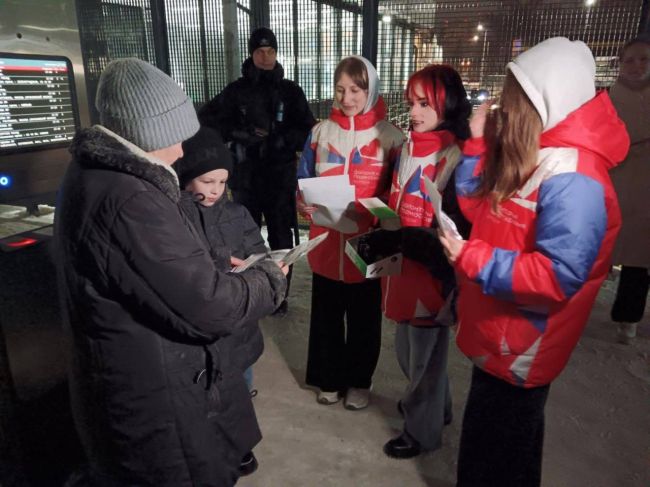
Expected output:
(37, 102)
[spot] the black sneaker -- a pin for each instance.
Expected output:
(248, 464)
(282, 309)
(402, 447)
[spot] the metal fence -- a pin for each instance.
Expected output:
(478, 38)
(109, 31)
(202, 43)
(312, 40)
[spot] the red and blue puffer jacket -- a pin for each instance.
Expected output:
(529, 274)
(366, 147)
(415, 296)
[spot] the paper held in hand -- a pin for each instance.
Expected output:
(332, 195)
(288, 256)
(446, 224)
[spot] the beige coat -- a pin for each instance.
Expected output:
(632, 178)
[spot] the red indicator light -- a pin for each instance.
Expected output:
(25, 242)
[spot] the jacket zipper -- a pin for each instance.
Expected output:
(346, 169)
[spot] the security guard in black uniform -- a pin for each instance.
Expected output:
(266, 119)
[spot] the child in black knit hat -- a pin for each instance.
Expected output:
(227, 227)
(229, 233)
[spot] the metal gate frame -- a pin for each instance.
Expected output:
(241, 16)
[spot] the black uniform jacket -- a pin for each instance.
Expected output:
(261, 99)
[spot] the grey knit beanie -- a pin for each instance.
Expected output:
(139, 102)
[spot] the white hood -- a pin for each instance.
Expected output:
(558, 75)
(373, 85)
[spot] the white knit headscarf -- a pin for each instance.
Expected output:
(373, 85)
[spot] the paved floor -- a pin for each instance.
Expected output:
(598, 431)
(598, 426)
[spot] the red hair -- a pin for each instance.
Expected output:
(444, 91)
(431, 79)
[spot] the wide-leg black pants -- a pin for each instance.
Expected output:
(502, 436)
(631, 295)
(344, 334)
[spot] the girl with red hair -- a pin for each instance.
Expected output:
(414, 299)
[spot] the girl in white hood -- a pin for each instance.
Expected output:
(357, 141)
(545, 219)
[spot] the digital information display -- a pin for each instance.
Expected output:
(37, 102)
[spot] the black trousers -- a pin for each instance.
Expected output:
(631, 295)
(279, 211)
(502, 436)
(343, 356)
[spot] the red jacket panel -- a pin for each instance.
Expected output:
(366, 148)
(415, 296)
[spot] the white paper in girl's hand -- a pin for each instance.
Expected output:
(332, 195)
(446, 224)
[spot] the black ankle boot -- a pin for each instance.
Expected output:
(402, 447)
(248, 464)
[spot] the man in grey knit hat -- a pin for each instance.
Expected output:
(142, 299)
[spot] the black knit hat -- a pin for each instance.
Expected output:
(202, 153)
(262, 37)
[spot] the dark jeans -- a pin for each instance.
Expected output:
(278, 209)
(343, 356)
(631, 295)
(502, 436)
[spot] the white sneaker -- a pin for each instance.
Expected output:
(328, 397)
(626, 332)
(356, 398)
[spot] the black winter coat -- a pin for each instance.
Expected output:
(143, 302)
(264, 100)
(229, 230)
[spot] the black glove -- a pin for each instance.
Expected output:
(423, 246)
(247, 138)
(278, 141)
(379, 244)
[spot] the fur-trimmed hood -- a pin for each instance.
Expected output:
(99, 148)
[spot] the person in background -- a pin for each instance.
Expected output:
(143, 301)
(534, 182)
(345, 325)
(231, 235)
(266, 118)
(414, 298)
(631, 97)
